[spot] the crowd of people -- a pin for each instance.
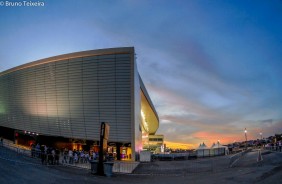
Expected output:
(53, 156)
(48, 155)
(275, 146)
(77, 156)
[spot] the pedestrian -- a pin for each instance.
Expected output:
(75, 157)
(43, 155)
(94, 155)
(70, 157)
(33, 150)
(65, 155)
(57, 155)
(86, 156)
(49, 156)
(37, 150)
(1, 142)
(81, 156)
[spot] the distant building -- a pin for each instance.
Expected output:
(62, 100)
(278, 137)
(154, 143)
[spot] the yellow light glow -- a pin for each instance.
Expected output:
(176, 145)
(150, 122)
(142, 114)
(145, 123)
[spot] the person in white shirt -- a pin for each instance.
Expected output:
(70, 157)
(94, 155)
(82, 157)
(75, 158)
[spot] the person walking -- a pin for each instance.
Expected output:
(94, 155)
(70, 157)
(43, 155)
(53, 153)
(75, 157)
(65, 155)
(1, 142)
(81, 156)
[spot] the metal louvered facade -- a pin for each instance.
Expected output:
(70, 95)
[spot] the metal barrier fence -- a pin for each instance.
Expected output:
(12, 153)
(171, 156)
(124, 166)
(211, 152)
(19, 150)
(274, 148)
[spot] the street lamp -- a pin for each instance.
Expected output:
(261, 144)
(246, 137)
(218, 147)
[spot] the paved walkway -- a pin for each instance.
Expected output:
(184, 167)
(23, 170)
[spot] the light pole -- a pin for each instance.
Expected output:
(261, 139)
(218, 147)
(246, 137)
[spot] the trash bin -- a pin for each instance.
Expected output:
(108, 168)
(94, 166)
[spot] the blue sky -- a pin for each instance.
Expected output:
(212, 68)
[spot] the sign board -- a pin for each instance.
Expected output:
(104, 136)
(105, 130)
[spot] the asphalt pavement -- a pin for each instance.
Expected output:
(27, 170)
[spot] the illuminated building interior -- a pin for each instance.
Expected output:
(149, 124)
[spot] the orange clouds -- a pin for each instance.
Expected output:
(177, 145)
(212, 137)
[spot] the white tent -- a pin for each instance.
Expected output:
(217, 145)
(202, 146)
(221, 147)
(214, 150)
(202, 150)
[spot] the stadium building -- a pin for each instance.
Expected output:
(61, 101)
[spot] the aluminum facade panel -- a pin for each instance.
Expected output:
(70, 97)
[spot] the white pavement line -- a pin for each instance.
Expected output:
(75, 166)
(235, 161)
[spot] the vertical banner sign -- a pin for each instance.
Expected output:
(104, 136)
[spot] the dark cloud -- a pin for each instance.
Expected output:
(267, 121)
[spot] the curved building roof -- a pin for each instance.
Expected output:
(108, 51)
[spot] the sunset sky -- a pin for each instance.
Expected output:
(212, 68)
